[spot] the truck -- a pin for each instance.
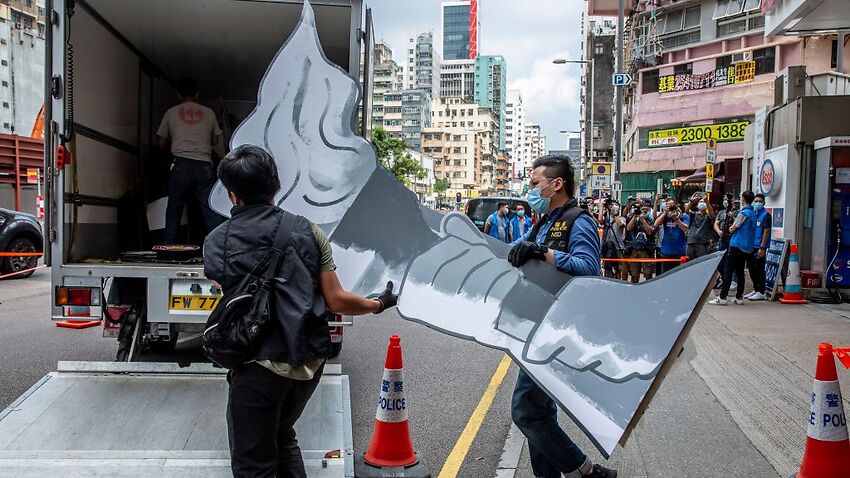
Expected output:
(111, 70)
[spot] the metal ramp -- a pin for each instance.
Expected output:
(105, 419)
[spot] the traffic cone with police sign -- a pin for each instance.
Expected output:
(827, 444)
(391, 451)
(793, 292)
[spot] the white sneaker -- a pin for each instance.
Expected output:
(749, 295)
(734, 285)
(718, 301)
(756, 296)
(738, 301)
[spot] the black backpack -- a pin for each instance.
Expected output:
(235, 327)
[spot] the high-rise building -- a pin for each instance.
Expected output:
(599, 38)
(423, 64)
(22, 32)
(416, 116)
(385, 79)
(491, 89)
(457, 79)
(461, 139)
(460, 29)
(515, 132)
(534, 143)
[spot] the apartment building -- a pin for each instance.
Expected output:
(598, 122)
(491, 89)
(386, 74)
(515, 134)
(534, 144)
(423, 64)
(457, 79)
(22, 33)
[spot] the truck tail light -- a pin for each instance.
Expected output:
(79, 296)
(63, 157)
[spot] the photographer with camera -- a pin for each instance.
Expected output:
(674, 223)
(640, 237)
(722, 223)
(613, 237)
(701, 229)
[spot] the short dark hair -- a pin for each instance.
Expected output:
(250, 173)
(748, 196)
(500, 204)
(759, 196)
(558, 166)
(187, 87)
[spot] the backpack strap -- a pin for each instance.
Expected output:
(281, 239)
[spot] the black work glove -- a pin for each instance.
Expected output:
(387, 298)
(525, 251)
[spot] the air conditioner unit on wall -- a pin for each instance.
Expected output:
(789, 85)
(743, 56)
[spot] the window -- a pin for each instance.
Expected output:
(692, 18)
(765, 59)
(650, 81)
(750, 5)
(671, 23)
(5, 83)
(685, 69)
(28, 23)
(599, 49)
(5, 104)
(28, 3)
(16, 16)
(4, 63)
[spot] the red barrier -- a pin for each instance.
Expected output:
(21, 254)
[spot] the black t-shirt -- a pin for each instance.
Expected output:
(701, 229)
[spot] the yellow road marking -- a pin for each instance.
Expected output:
(464, 442)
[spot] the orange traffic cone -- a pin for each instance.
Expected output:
(827, 446)
(391, 451)
(793, 292)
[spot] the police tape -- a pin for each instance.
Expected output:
(6, 276)
(680, 260)
(21, 254)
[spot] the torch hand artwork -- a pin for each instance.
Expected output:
(579, 338)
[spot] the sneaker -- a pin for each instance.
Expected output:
(734, 285)
(737, 301)
(600, 471)
(749, 295)
(718, 301)
(756, 296)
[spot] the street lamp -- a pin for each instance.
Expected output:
(561, 61)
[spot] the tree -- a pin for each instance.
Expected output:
(440, 186)
(393, 155)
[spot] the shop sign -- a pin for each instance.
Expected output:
(722, 132)
(733, 74)
(770, 178)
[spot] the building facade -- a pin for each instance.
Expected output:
(461, 140)
(598, 132)
(491, 89)
(460, 29)
(22, 33)
(457, 79)
(515, 133)
(416, 116)
(385, 79)
(423, 64)
(534, 144)
(423, 187)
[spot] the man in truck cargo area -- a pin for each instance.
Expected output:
(192, 130)
(269, 393)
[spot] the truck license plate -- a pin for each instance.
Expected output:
(193, 302)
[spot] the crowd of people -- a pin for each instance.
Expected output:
(655, 235)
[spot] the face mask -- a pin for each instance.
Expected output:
(758, 206)
(615, 210)
(505, 211)
(538, 203)
(520, 213)
(701, 206)
(725, 204)
(663, 206)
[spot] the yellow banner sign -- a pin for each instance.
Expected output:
(721, 132)
(733, 74)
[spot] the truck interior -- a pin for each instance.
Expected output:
(126, 57)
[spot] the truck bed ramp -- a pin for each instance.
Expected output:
(109, 419)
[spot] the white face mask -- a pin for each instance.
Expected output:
(701, 206)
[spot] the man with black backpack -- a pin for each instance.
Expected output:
(276, 345)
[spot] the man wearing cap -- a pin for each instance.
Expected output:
(640, 235)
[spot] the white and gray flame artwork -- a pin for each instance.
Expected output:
(597, 346)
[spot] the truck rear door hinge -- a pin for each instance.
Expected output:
(56, 86)
(51, 235)
(54, 17)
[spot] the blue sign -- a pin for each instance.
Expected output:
(582, 190)
(774, 262)
(621, 79)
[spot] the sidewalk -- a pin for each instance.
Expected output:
(735, 400)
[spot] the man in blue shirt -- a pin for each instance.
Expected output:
(565, 237)
(674, 242)
(520, 224)
(497, 225)
(758, 259)
(743, 232)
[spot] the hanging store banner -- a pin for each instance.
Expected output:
(728, 75)
(722, 132)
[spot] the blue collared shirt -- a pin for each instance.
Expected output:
(584, 255)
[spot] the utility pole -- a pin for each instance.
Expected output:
(618, 121)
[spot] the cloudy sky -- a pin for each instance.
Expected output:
(528, 33)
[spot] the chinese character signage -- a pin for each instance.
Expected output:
(722, 132)
(728, 75)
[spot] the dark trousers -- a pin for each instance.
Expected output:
(551, 451)
(756, 267)
(668, 265)
(188, 178)
(262, 409)
(736, 260)
(695, 251)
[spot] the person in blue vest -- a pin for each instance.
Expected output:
(520, 224)
(498, 224)
(743, 232)
(674, 242)
(758, 259)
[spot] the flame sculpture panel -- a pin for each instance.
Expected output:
(597, 346)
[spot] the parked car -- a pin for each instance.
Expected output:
(479, 209)
(19, 232)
